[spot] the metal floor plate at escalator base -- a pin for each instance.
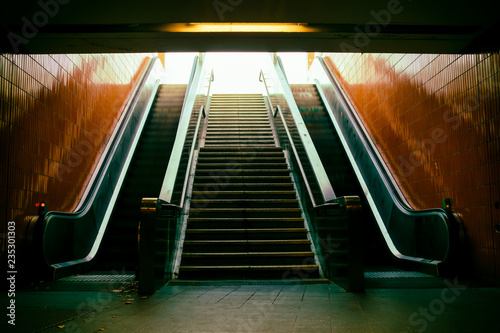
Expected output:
(395, 275)
(99, 278)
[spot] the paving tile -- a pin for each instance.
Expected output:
(353, 328)
(309, 329)
(260, 309)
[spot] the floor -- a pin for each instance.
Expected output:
(448, 306)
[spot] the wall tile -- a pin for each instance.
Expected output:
(455, 97)
(49, 104)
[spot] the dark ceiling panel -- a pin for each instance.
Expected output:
(48, 26)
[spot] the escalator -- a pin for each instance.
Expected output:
(102, 233)
(339, 170)
(147, 169)
(394, 233)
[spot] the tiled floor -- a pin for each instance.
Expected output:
(269, 308)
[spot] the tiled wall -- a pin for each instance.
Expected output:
(57, 114)
(436, 121)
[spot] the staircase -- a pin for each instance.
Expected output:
(244, 221)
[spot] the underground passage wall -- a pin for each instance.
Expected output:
(57, 114)
(436, 121)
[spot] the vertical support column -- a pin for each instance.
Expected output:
(352, 208)
(340, 237)
(146, 243)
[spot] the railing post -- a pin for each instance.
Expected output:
(146, 243)
(339, 229)
(351, 205)
(154, 241)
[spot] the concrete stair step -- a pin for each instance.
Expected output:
(239, 144)
(244, 203)
(239, 152)
(242, 179)
(246, 234)
(285, 245)
(220, 126)
(277, 150)
(245, 212)
(238, 164)
(244, 194)
(243, 172)
(245, 161)
(243, 186)
(240, 132)
(248, 223)
(247, 258)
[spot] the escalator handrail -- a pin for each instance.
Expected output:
(326, 187)
(368, 142)
(327, 192)
(102, 170)
(116, 136)
(192, 91)
(193, 145)
(294, 149)
(397, 197)
(167, 188)
(376, 157)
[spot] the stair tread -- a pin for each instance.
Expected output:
(251, 159)
(249, 241)
(245, 177)
(252, 267)
(245, 184)
(244, 200)
(270, 230)
(256, 254)
(236, 193)
(249, 151)
(252, 219)
(278, 151)
(238, 145)
(258, 210)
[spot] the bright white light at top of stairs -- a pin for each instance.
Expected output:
(235, 72)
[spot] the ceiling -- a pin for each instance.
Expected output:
(100, 26)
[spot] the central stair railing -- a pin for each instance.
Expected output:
(333, 221)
